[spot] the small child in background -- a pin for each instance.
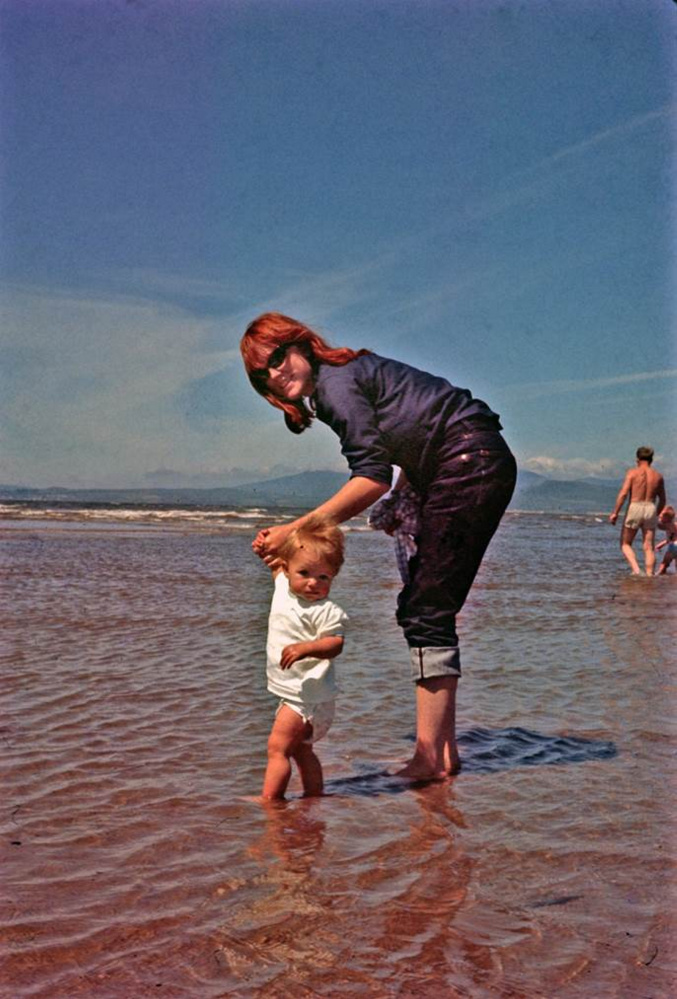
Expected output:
(666, 522)
(305, 634)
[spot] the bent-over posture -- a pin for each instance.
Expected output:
(448, 445)
(666, 522)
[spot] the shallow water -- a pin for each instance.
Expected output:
(134, 733)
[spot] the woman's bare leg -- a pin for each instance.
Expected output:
(436, 754)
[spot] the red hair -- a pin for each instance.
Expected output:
(272, 330)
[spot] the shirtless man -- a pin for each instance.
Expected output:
(645, 487)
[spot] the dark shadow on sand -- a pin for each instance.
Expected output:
(486, 750)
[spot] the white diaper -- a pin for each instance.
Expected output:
(320, 717)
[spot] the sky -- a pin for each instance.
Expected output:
(482, 189)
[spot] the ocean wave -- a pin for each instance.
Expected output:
(244, 518)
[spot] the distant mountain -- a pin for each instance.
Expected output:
(307, 489)
(589, 495)
(596, 480)
(556, 495)
(527, 480)
(303, 489)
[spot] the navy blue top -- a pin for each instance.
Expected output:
(387, 413)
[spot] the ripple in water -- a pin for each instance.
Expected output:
(134, 734)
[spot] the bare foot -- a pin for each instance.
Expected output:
(418, 770)
(455, 767)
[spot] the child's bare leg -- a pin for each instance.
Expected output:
(310, 769)
(288, 732)
(627, 537)
(648, 537)
(663, 567)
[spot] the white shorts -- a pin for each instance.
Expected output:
(320, 717)
(641, 515)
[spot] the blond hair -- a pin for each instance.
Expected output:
(320, 535)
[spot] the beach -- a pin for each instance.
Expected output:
(138, 861)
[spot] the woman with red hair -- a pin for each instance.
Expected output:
(447, 445)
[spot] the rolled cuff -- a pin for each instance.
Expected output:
(431, 662)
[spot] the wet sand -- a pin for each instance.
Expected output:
(134, 732)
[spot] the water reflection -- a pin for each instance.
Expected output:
(342, 897)
(137, 866)
(293, 833)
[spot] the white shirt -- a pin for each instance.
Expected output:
(293, 619)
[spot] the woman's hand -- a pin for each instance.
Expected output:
(352, 498)
(259, 542)
(267, 542)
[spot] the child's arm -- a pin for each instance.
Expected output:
(321, 648)
(661, 544)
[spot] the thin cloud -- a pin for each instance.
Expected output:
(108, 412)
(571, 468)
(604, 135)
(534, 390)
(543, 172)
(316, 297)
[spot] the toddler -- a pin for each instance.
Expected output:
(305, 634)
(666, 522)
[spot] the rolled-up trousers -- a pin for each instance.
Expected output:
(461, 509)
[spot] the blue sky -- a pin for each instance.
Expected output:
(482, 189)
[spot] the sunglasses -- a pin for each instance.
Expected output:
(275, 360)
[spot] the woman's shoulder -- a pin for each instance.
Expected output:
(364, 366)
(374, 370)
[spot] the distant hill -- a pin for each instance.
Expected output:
(589, 495)
(304, 489)
(556, 495)
(307, 489)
